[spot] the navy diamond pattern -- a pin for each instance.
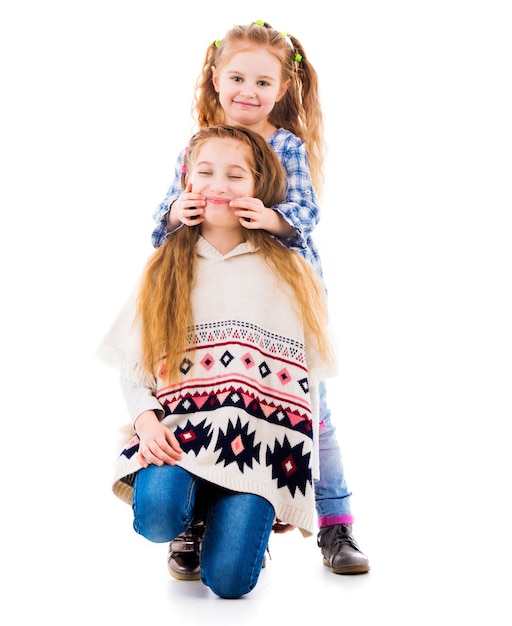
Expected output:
(237, 446)
(289, 466)
(193, 438)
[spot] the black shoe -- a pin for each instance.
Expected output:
(340, 550)
(183, 557)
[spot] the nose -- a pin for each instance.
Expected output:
(218, 185)
(247, 91)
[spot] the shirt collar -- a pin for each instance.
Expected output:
(205, 249)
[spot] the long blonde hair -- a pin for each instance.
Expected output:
(298, 111)
(164, 303)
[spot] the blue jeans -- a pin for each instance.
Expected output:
(168, 500)
(331, 491)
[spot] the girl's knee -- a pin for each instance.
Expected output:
(157, 531)
(230, 583)
(231, 573)
(162, 502)
(157, 520)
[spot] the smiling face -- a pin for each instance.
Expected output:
(221, 171)
(249, 85)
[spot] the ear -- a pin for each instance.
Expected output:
(215, 78)
(283, 90)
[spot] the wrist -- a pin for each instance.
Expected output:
(282, 228)
(172, 223)
(143, 420)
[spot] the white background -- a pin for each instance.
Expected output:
(415, 239)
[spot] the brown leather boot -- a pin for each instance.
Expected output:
(183, 557)
(340, 550)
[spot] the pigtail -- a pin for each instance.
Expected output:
(311, 113)
(206, 105)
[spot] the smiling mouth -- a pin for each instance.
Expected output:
(245, 104)
(218, 201)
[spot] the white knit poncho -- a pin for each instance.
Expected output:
(245, 409)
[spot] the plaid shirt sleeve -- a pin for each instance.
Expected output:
(159, 234)
(301, 208)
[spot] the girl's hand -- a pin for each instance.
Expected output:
(280, 527)
(189, 207)
(158, 445)
(254, 214)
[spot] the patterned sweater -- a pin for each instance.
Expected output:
(245, 409)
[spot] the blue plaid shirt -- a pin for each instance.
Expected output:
(301, 208)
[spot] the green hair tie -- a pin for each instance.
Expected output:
(298, 57)
(260, 22)
(217, 43)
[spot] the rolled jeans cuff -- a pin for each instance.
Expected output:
(332, 520)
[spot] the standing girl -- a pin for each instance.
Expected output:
(261, 79)
(222, 368)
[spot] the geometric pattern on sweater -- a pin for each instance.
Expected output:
(233, 331)
(236, 365)
(290, 467)
(241, 343)
(241, 411)
(180, 403)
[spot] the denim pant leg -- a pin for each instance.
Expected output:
(237, 532)
(163, 502)
(331, 491)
